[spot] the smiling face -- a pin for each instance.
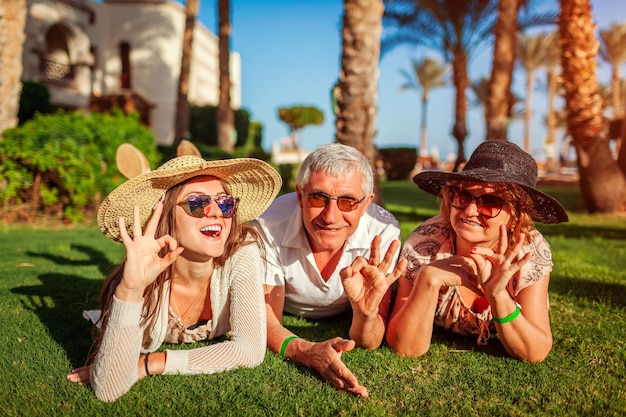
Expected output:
(471, 227)
(328, 228)
(202, 237)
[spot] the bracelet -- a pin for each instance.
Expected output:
(283, 347)
(510, 317)
(145, 363)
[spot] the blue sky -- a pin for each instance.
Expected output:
(290, 53)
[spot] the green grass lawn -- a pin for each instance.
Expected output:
(49, 275)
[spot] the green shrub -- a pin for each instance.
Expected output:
(398, 162)
(63, 164)
(34, 99)
(203, 126)
(289, 173)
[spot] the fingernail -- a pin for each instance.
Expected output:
(473, 250)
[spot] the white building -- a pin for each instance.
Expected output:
(84, 50)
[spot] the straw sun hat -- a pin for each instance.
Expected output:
(255, 182)
(504, 162)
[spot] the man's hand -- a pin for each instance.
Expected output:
(325, 358)
(366, 281)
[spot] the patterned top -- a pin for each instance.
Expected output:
(433, 241)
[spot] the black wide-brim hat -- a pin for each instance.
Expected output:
(504, 162)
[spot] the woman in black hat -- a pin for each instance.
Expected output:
(480, 266)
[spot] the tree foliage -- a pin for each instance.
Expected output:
(298, 117)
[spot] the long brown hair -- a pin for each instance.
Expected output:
(518, 201)
(240, 235)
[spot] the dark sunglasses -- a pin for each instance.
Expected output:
(343, 203)
(196, 205)
(488, 205)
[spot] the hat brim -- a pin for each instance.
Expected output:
(253, 181)
(547, 209)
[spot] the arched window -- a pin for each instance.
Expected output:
(125, 60)
(55, 64)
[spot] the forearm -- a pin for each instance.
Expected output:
(214, 358)
(521, 338)
(410, 329)
(276, 336)
(127, 294)
(367, 331)
(115, 367)
(296, 349)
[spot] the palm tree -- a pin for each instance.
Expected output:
(481, 89)
(456, 27)
(552, 62)
(531, 55)
(427, 75)
(182, 102)
(225, 116)
(613, 50)
(12, 24)
(602, 182)
(498, 99)
(357, 88)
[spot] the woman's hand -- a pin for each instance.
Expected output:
(366, 281)
(143, 262)
(496, 268)
(80, 376)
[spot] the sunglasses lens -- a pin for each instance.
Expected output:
(461, 199)
(347, 204)
(228, 205)
(490, 205)
(317, 200)
(196, 204)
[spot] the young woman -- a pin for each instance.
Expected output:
(480, 266)
(192, 272)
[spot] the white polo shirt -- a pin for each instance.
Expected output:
(290, 261)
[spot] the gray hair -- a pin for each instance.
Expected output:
(336, 160)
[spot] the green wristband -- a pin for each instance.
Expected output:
(283, 347)
(510, 317)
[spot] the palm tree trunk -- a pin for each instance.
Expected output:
(182, 103)
(617, 104)
(602, 183)
(498, 99)
(12, 24)
(423, 145)
(358, 81)
(461, 83)
(225, 116)
(552, 81)
(621, 140)
(530, 85)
